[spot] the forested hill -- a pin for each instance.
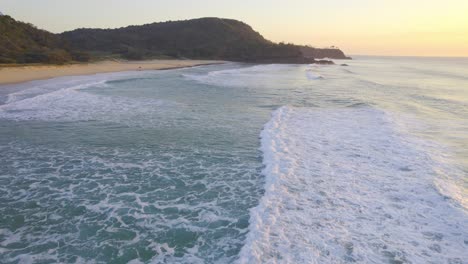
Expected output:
(208, 37)
(332, 53)
(24, 43)
(204, 38)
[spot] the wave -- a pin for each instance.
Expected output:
(74, 103)
(347, 71)
(313, 76)
(49, 87)
(439, 72)
(261, 75)
(359, 104)
(343, 186)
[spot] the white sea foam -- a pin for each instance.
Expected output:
(73, 103)
(344, 186)
(311, 75)
(244, 76)
(131, 213)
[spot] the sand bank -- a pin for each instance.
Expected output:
(20, 74)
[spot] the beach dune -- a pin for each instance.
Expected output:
(20, 74)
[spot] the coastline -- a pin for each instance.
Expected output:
(18, 74)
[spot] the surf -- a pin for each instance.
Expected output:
(342, 185)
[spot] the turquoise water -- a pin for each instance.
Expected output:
(166, 166)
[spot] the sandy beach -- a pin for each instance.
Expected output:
(18, 74)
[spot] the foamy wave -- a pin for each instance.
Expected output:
(50, 87)
(343, 186)
(312, 75)
(74, 104)
(241, 77)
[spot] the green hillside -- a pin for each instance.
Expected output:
(204, 38)
(24, 43)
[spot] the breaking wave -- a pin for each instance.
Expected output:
(342, 185)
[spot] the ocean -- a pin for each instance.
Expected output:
(239, 163)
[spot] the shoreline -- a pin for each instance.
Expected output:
(19, 74)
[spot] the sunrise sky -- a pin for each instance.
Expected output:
(418, 28)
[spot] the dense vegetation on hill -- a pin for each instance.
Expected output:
(204, 38)
(24, 43)
(332, 53)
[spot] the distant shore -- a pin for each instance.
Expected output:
(19, 73)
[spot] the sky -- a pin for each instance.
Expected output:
(358, 27)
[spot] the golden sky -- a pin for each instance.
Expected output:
(379, 27)
(420, 28)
